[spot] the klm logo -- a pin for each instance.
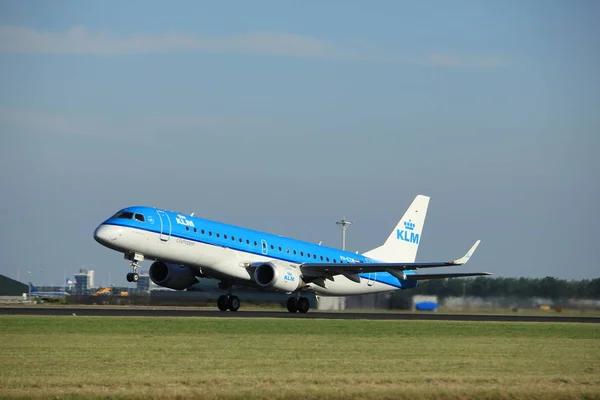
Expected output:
(289, 276)
(407, 233)
(182, 221)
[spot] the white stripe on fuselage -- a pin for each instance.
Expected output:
(219, 262)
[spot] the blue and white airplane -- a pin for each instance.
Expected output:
(185, 248)
(34, 292)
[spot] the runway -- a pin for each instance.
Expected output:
(103, 311)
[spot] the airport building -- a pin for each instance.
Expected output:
(84, 281)
(144, 284)
(10, 287)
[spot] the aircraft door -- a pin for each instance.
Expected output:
(264, 247)
(165, 226)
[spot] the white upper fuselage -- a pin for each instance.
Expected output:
(225, 252)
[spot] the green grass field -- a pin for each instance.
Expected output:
(177, 358)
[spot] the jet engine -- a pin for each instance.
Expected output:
(278, 277)
(172, 276)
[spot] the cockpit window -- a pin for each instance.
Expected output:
(124, 215)
(140, 217)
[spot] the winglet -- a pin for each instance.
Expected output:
(466, 257)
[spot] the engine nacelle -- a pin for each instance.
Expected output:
(283, 278)
(172, 276)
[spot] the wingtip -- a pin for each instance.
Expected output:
(463, 260)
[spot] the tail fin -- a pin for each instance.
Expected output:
(403, 242)
(33, 288)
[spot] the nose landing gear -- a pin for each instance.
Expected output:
(135, 258)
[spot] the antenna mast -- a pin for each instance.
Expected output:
(344, 224)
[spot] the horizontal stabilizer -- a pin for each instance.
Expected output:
(422, 277)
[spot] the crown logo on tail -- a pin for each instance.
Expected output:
(409, 225)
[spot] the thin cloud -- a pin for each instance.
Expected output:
(120, 129)
(466, 61)
(77, 40)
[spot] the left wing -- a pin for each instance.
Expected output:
(351, 271)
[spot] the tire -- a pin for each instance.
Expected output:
(303, 305)
(135, 277)
(292, 305)
(129, 279)
(233, 303)
(222, 302)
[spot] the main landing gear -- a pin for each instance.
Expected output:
(298, 304)
(228, 301)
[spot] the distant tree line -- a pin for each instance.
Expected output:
(548, 287)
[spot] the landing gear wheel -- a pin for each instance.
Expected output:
(222, 302)
(233, 303)
(292, 304)
(303, 305)
(133, 276)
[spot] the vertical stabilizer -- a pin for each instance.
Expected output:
(403, 242)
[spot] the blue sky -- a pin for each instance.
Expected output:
(284, 116)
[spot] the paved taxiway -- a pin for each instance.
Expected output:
(199, 312)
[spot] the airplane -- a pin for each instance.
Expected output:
(185, 248)
(33, 292)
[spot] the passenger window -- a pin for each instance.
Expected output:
(315, 256)
(302, 253)
(279, 248)
(218, 235)
(233, 238)
(241, 240)
(256, 244)
(247, 241)
(308, 255)
(334, 261)
(202, 231)
(327, 259)
(209, 233)
(294, 251)
(140, 217)
(321, 258)
(224, 236)
(187, 228)
(195, 230)
(272, 247)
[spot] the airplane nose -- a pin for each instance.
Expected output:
(105, 234)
